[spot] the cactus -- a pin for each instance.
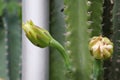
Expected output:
(107, 18)
(14, 40)
(95, 11)
(82, 18)
(83, 21)
(115, 66)
(11, 42)
(3, 50)
(57, 29)
(14, 47)
(76, 25)
(108, 32)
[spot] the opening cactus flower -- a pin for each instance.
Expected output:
(41, 38)
(101, 47)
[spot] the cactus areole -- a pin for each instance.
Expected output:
(101, 47)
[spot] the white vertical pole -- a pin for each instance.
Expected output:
(35, 60)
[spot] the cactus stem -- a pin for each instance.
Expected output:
(98, 69)
(60, 48)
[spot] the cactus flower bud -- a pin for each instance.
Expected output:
(101, 47)
(41, 38)
(38, 36)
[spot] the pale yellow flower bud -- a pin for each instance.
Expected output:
(101, 47)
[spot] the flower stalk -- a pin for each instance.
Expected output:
(60, 48)
(98, 69)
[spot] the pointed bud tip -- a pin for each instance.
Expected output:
(38, 36)
(27, 26)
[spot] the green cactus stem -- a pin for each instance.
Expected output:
(98, 70)
(10, 39)
(3, 50)
(115, 64)
(14, 47)
(96, 11)
(57, 30)
(107, 30)
(14, 39)
(77, 38)
(83, 21)
(107, 18)
(61, 49)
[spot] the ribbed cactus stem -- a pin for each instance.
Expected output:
(14, 39)
(77, 38)
(98, 70)
(115, 66)
(3, 50)
(57, 29)
(61, 49)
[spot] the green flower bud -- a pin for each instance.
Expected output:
(101, 47)
(41, 38)
(38, 36)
